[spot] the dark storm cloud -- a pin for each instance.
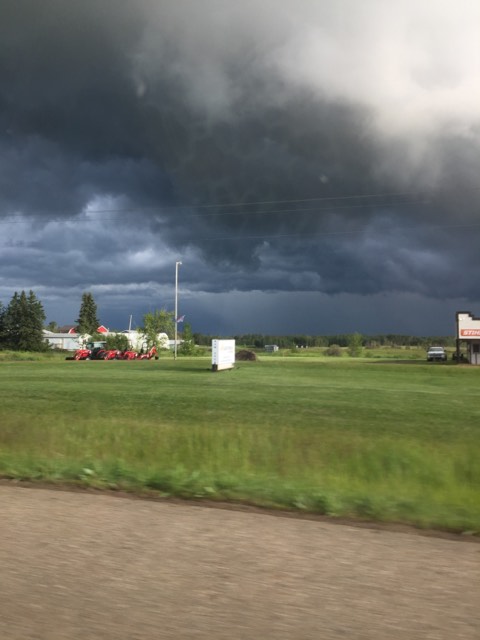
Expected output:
(275, 146)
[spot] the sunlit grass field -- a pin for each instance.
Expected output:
(365, 438)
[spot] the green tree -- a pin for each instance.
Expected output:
(158, 321)
(23, 322)
(117, 341)
(187, 347)
(2, 326)
(87, 318)
(52, 326)
(355, 345)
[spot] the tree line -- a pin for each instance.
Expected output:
(22, 325)
(22, 322)
(258, 341)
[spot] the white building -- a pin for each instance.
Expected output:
(70, 340)
(138, 340)
(271, 348)
(67, 341)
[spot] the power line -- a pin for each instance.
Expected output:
(321, 234)
(186, 209)
(344, 203)
(290, 201)
(20, 218)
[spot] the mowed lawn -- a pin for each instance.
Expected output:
(371, 439)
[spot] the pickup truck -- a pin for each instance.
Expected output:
(436, 354)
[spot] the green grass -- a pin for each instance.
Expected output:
(359, 438)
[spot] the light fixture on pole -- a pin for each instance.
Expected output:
(177, 264)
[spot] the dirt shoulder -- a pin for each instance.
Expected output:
(85, 565)
(245, 507)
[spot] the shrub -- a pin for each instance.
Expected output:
(333, 350)
(117, 341)
(355, 345)
(245, 354)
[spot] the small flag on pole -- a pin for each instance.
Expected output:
(180, 319)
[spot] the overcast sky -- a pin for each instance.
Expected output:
(314, 164)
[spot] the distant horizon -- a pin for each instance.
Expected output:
(278, 335)
(317, 315)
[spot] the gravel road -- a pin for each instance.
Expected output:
(96, 567)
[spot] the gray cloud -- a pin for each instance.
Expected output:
(293, 147)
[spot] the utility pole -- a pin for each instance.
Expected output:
(177, 264)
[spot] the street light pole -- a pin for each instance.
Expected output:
(177, 264)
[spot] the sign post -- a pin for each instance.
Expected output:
(223, 354)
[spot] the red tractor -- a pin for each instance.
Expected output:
(97, 353)
(90, 352)
(111, 354)
(149, 355)
(133, 355)
(80, 354)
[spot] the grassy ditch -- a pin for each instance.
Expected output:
(375, 440)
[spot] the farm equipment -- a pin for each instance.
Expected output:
(149, 355)
(133, 355)
(111, 354)
(100, 353)
(97, 353)
(80, 354)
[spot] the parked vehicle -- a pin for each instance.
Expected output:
(436, 354)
